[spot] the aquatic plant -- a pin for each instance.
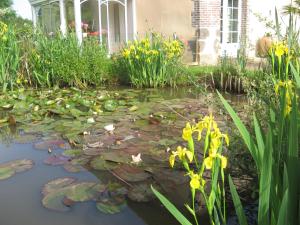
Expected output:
(9, 169)
(275, 149)
(150, 62)
(212, 163)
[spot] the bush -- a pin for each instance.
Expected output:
(152, 62)
(62, 62)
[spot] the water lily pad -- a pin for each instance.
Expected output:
(110, 105)
(73, 168)
(6, 172)
(57, 160)
(131, 173)
(54, 200)
(141, 193)
(73, 152)
(9, 169)
(57, 184)
(111, 205)
(100, 164)
(81, 192)
(115, 156)
(62, 193)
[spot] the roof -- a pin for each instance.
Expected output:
(39, 2)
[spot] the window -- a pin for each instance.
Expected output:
(229, 25)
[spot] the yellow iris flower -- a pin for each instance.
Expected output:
(196, 181)
(187, 132)
(182, 154)
(208, 162)
(288, 85)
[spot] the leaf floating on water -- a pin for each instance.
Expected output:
(81, 192)
(99, 163)
(6, 172)
(57, 184)
(9, 169)
(116, 156)
(57, 191)
(54, 200)
(57, 160)
(141, 193)
(111, 205)
(73, 152)
(131, 173)
(110, 105)
(73, 168)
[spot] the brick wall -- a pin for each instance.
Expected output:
(206, 21)
(245, 21)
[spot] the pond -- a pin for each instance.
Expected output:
(89, 157)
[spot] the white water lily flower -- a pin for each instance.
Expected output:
(109, 127)
(91, 120)
(136, 159)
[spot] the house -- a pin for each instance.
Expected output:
(208, 28)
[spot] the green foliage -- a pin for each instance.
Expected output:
(5, 3)
(212, 162)
(9, 57)
(152, 62)
(292, 8)
(59, 61)
(276, 154)
(171, 208)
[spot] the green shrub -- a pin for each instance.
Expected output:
(59, 61)
(9, 57)
(152, 62)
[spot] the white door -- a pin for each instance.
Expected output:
(230, 26)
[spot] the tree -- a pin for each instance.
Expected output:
(5, 3)
(293, 8)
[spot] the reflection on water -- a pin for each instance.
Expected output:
(20, 196)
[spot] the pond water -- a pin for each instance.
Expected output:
(72, 169)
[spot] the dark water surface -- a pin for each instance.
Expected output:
(20, 195)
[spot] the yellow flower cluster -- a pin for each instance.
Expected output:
(214, 138)
(279, 48)
(173, 48)
(140, 50)
(288, 86)
(149, 50)
(3, 31)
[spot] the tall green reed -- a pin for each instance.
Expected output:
(212, 162)
(9, 57)
(275, 148)
(60, 61)
(152, 61)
